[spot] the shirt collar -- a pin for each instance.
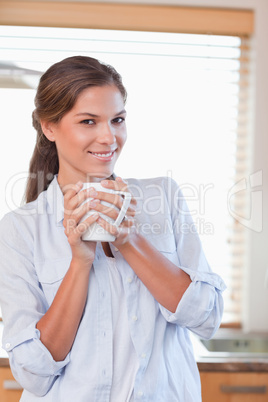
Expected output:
(55, 200)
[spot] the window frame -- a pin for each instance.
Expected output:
(138, 17)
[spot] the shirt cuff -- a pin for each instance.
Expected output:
(207, 277)
(26, 350)
(201, 305)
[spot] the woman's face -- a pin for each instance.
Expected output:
(90, 137)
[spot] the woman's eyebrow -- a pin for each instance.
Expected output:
(86, 114)
(95, 115)
(122, 112)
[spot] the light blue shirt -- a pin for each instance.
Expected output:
(35, 256)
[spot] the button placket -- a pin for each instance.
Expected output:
(104, 328)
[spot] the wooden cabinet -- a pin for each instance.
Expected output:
(234, 387)
(9, 391)
(216, 386)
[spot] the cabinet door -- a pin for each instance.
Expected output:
(234, 387)
(9, 391)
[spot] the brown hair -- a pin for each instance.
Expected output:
(57, 92)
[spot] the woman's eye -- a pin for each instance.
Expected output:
(118, 120)
(88, 121)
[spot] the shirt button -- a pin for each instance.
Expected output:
(140, 393)
(115, 249)
(143, 355)
(8, 345)
(129, 280)
(134, 318)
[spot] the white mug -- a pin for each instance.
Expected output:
(96, 232)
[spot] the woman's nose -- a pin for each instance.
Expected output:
(106, 134)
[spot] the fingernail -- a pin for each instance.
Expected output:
(92, 191)
(93, 203)
(105, 182)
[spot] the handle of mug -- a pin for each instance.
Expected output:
(126, 202)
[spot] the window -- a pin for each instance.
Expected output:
(187, 118)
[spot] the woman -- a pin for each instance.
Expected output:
(91, 321)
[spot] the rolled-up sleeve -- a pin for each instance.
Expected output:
(23, 304)
(32, 364)
(201, 307)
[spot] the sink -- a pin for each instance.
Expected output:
(237, 345)
(233, 343)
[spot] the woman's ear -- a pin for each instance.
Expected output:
(48, 130)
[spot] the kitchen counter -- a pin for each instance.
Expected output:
(206, 364)
(232, 365)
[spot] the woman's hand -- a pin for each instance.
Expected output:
(127, 227)
(82, 251)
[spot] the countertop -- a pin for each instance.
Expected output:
(204, 362)
(232, 364)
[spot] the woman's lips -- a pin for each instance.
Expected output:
(103, 156)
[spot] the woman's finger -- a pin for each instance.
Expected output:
(116, 231)
(115, 204)
(108, 227)
(75, 234)
(109, 211)
(111, 198)
(75, 217)
(118, 184)
(70, 190)
(128, 221)
(133, 202)
(74, 200)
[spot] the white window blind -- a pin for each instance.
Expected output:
(188, 117)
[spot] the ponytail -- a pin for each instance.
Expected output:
(44, 163)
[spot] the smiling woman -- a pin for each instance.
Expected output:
(110, 316)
